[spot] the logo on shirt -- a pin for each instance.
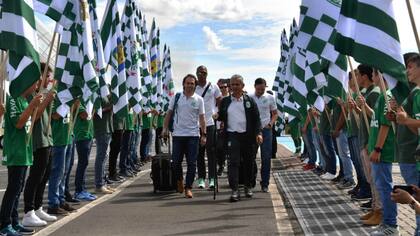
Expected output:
(66, 119)
(194, 104)
(28, 125)
(248, 104)
(374, 122)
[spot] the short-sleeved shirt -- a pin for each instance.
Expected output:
(416, 115)
(147, 121)
(160, 119)
(186, 117)
(237, 116)
(378, 120)
(16, 151)
(83, 129)
(353, 121)
(209, 100)
(325, 123)
(266, 104)
(130, 120)
(41, 133)
(371, 95)
(103, 125)
(406, 140)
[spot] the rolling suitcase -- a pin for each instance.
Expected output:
(162, 174)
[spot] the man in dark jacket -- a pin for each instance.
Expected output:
(240, 118)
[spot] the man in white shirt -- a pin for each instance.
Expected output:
(212, 96)
(241, 121)
(268, 115)
(188, 118)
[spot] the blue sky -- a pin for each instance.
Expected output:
(234, 36)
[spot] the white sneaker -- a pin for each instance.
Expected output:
(32, 220)
(44, 215)
(386, 230)
(328, 176)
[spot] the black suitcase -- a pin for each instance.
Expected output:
(162, 173)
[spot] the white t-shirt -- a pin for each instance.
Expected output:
(186, 117)
(266, 104)
(237, 117)
(209, 100)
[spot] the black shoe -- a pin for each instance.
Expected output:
(116, 179)
(126, 174)
(264, 189)
(109, 181)
(346, 185)
(23, 230)
(248, 193)
(69, 198)
(337, 180)
(353, 191)
(361, 196)
(67, 207)
(57, 211)
(366, 205)
(235, 196)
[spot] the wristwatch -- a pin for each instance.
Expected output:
(378, 149)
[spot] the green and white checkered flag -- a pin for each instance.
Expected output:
(279, 81)
(114, 56)
(18, 36)
(159, 75)
(132, 52)
(373, 42)
(100, 60)
(146, 80)
(154, 61)
(64, 12)
(75, 61)
(168, 83)
(315, 80)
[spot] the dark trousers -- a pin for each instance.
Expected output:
(221, 148)
(239, 145)
(9, 205)
(209, 148)
(125, 151)
(145, 136)
(37, 179)
(274, 142)
(158, 143)
(330, 151)
(187, 146)
(83, 152)
(115, 148)
(69, 167)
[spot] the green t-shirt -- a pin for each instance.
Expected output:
(353, 121)
(16, 151)
(416, 115)
(325, 123)
(406, 140)
(130, 121)
(83, 129)
(60, 130)
(103, 125)
(371, 95)
(40, 137)
(160, 120)
(379, 119)
(147, 121)
(118, 122)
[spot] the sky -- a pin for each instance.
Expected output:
(234, 36)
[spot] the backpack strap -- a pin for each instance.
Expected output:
(205, 90)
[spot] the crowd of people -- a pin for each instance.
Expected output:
(368, 132)
(219, 121)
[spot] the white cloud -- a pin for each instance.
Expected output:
(214, 43)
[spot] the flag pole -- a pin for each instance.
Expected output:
(413, 23)
(52, 102)
(383, 90)
(44, 79)
(358, 93)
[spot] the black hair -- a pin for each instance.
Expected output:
(408, 56)
(190, 76)
(414, 59)
(259, 81)
(366, 70)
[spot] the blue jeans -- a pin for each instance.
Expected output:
(125, 151)
(56, 176)
(344, 154)
(68, 167)
(187, 146)
(331, 162)
(83, 152)
(354, 147)
(316, 137)
(382, 175)
(266, 147)
(411, 177)
(135, 142)
(310, 147)
(9, 205)
(102, 144)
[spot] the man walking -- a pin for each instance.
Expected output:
(241, 120)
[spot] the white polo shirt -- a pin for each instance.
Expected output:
(236, 116)
(186, 117)
(209, 100)
(266, 104)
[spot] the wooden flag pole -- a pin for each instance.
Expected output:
(383, 90)
(413, 23)
(52, 103)
(360, 94)
(44, 79)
